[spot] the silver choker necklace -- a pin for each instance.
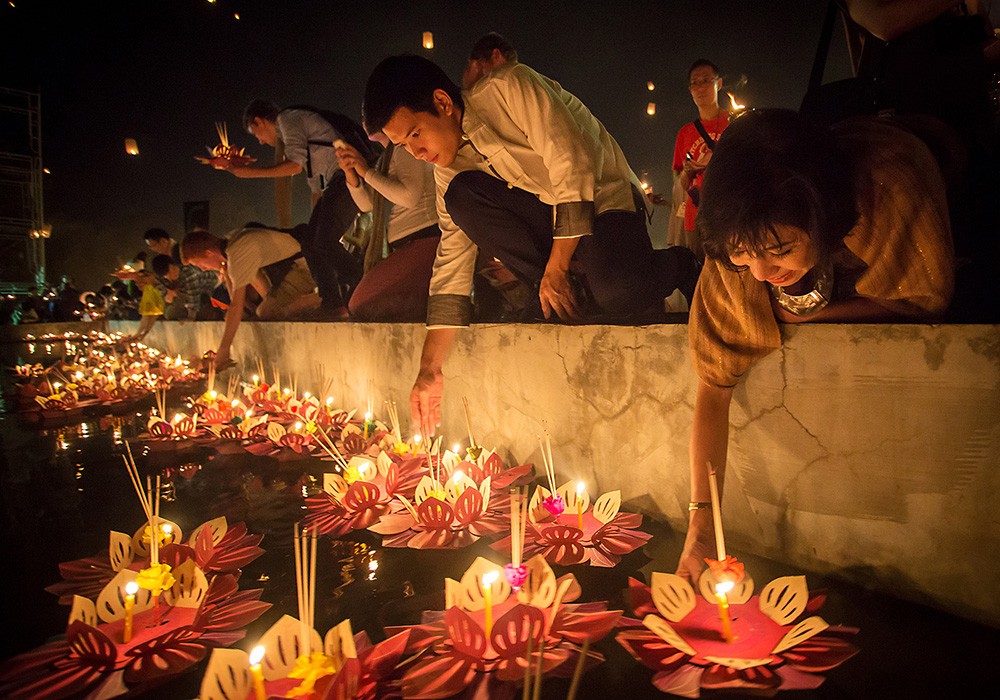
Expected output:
(810, 302)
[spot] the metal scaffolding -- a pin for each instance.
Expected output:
(22, 215)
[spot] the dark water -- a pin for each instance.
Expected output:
(63, 489)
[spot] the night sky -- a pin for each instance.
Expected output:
(163, 71)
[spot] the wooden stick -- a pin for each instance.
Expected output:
(578, 670)
(526, 691)
(720, 539)
(537, 694)
(312, 586)
(299, 591)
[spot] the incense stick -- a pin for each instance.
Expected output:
(578, 670)
(468, 422)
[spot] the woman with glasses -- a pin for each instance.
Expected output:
(695, 141)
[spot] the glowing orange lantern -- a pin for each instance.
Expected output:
(651, 108)
(131, 147)
(428, 41)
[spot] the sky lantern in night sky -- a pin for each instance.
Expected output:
(131, 147)
(428, 40)
(650, 86)
(651, 108)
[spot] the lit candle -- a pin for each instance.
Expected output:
(579, 504)
(131, 588)
(488, 578)
(256, 656)
(256, 380)
(720, 593)
(368, 417)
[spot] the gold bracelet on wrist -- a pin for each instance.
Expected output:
(698, 505)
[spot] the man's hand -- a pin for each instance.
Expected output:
(556, 294)
(350, 158)
(425, 403)
(222, 358)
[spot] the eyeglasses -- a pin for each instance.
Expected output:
(702, 81)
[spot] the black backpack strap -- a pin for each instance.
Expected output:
(709, 141)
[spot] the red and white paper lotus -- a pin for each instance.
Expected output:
(366, 494)
(605, 536)
(482, 639)
(449, 513)
(273, 439)
(215, 547)
(94, 660)
(348, 666)
(777, 644)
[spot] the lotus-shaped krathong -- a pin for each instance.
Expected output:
(458, 655)
(272, 439)
(446, 515)
(224, 154)
(193, 617)
(777, 643)
(216, 548)
(607, 533)
(348, 667)
(358, 498)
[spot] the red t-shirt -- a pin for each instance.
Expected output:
(690, 141)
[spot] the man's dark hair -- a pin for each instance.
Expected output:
(155, 234)
(197, 243)
(404, 81)
(483, 48)
(701, 63)
(772, 168)
(265, 109)
(162, 263)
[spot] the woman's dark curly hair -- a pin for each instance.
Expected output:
(772, 168)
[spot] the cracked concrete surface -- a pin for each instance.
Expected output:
(868, 450)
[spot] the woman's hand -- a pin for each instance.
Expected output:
(698, 545)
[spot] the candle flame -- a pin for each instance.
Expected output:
(256, 378)
(306, 395)
(298, 425)
(257, 655)
(489, 578)
(416, 438)
(579, 488)
(167, 528)
(724, 587)
(329, 400)
(458, 476)
(736, 105)
(131, 588)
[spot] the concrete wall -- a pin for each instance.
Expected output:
(868, 450)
